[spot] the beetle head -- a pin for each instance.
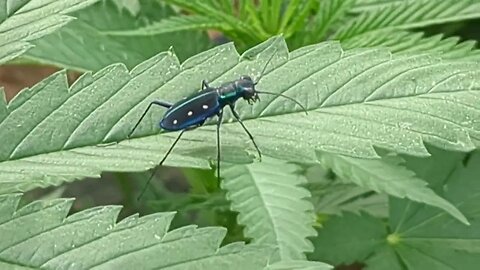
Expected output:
(246, 86)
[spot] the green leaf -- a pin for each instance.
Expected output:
(356, 99)
(348, 238)
(403, 42)
(426, 237)
(24, 21)
(327, 15)
(336, 197)
(408, 15)
(365, 5)
(206, 9)
(387, 176)
(269, 12)
(173, 24)
(330, 13)
(40, 235)
(298, 265)
(302, 12)
(81, 45)
(206, 14)
(417, 236)
(272, 206)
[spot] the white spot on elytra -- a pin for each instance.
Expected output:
(190, 113)
(205, 107)
(175, 121)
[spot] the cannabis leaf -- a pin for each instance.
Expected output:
(417, 236)
(298, 265)
(402, 15)
(40, 235)
(272, 206)
(403, 42)
(82, 46)
(25, 21)
(388, 176)
(357, 99)
(337, 197)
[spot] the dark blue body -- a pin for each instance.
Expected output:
(194, 110)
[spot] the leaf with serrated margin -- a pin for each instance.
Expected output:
(336, 197)
(298, 265)
(356, 99)
(348, 238)
(272, 206)
(403, 15)
(82, 44)
(416, 236)
(387, 175)
(41, 235)
(403, 42)
(25, 21)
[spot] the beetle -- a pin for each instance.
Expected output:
(192, 112)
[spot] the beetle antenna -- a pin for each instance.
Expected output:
(287, 97)
(265, 67)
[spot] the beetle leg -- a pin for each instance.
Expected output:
(159, 164)
(219, 122)
(155, 102)
(235, 114)
(205, 84)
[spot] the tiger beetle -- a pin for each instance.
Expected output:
(193, 111)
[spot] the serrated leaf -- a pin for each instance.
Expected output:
(174, 24)
(402, 42)
(298, 265)
(25, 21)
(272, 206)
(388, 176)
(425, 236)
(337, 197)
(331, 11)
(356, 99)
(402, 15)
(40, 235)
(82, 45)
(348, 238)
(363, 5)
(206, 14)
(416, 237)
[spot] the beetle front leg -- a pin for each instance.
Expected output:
(235, 114)
(205, 84)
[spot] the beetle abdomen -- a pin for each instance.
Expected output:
(191, 112)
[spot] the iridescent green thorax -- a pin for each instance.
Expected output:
(229, 93)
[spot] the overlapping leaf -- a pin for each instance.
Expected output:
(364, 5)
(408, 15)
(25, 21)
(298, 265)
(348, 238)
(403, 42)
(336, 197)
(417, 236)
(40, 235)
(329, 14)
(82, 46)
(272, 206)
(387, 175)
(356, 99)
